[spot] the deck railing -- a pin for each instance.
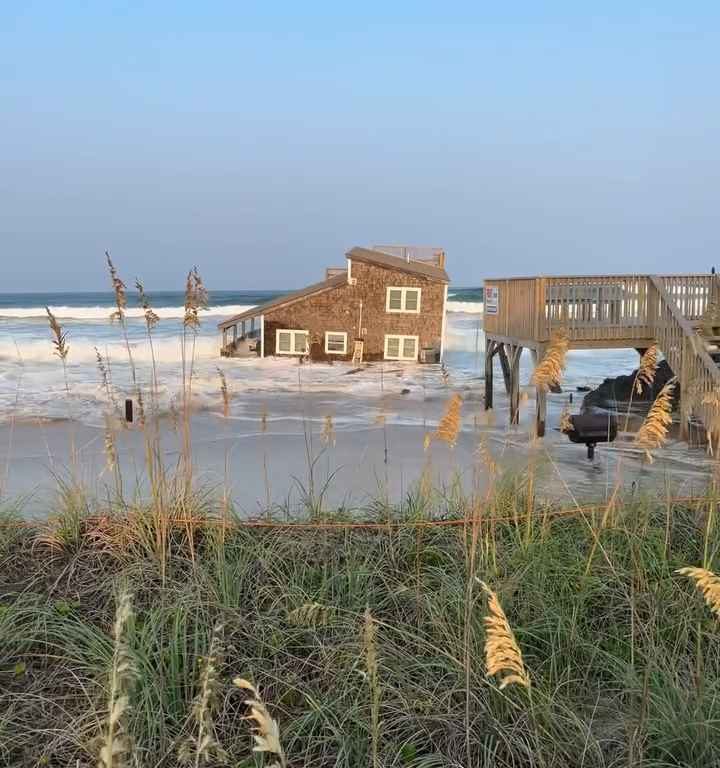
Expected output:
(594, 309)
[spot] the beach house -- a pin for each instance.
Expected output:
(387, 303)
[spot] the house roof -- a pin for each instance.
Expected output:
(287, 298)
(423, 268)
(368, 255)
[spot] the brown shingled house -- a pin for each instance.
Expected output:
(387, 304)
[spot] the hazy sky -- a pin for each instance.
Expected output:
(262, 140)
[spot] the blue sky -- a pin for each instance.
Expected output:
(262, 140)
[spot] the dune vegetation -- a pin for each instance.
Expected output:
(449, 628)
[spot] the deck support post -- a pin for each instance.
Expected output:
(224, 341)
(514, 360)
(540, 399)
(505, 365)
(491, 348)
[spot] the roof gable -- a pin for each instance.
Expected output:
(285, 299)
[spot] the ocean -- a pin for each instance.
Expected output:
(32, 385)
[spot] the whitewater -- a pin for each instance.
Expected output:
(33, 385)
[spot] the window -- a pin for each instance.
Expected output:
(401, 347)
(336, 343)
(403, 300)
(291, 342)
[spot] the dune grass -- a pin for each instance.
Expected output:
(356, 641)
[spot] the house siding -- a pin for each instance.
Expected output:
(338, 309)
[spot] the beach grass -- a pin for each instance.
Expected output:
(356, 639)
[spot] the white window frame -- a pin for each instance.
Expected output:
(292, 351)
(403, 299)
(335, 351)
(401, 342)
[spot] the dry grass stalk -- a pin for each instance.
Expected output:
(707, 583)
(653, 431)
(311, 615)
(566, 423)
(369, 642)
(196, 299)
(448, 428)
(647, 368)
(502, 653)
(266, 731)
(116, 745)
(485, 455)
(151, 319)
(203, 747)
(328, 431)
(105, 378)
(225, 392)
(548, 372)
(120, 291)
(60, 336)
(110, 448)
(263, 420)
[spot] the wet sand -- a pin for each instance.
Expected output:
(352, 469)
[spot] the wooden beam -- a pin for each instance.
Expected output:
(490, 349)
(514, 360)
(540, 398)
(505, 365)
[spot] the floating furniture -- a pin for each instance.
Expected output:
(591, 429)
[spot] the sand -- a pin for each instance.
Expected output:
(349, 470)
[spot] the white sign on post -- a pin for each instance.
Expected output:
(492, 299)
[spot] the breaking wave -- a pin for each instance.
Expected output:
(167, 313)
(469, 307)
(103, 313)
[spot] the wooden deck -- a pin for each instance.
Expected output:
(606, 312)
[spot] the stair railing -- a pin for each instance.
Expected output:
(685, 352)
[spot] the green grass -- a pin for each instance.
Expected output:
(624, 656)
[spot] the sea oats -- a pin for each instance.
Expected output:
(196, 299)
(566, 422)
(548, 372)
(449, 425)
(203, 747)
(485, 456)
(653, 431)
(707, 583)
(310, 615)
(328, 431)
(151, 318)
(119, 290)
(60, 336)
(503, 656)
(266, 731)
(369, 643)
(225, 392)
(110, 448)
(646, 370)
(115, 744)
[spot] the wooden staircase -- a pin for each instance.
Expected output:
(690, 350)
